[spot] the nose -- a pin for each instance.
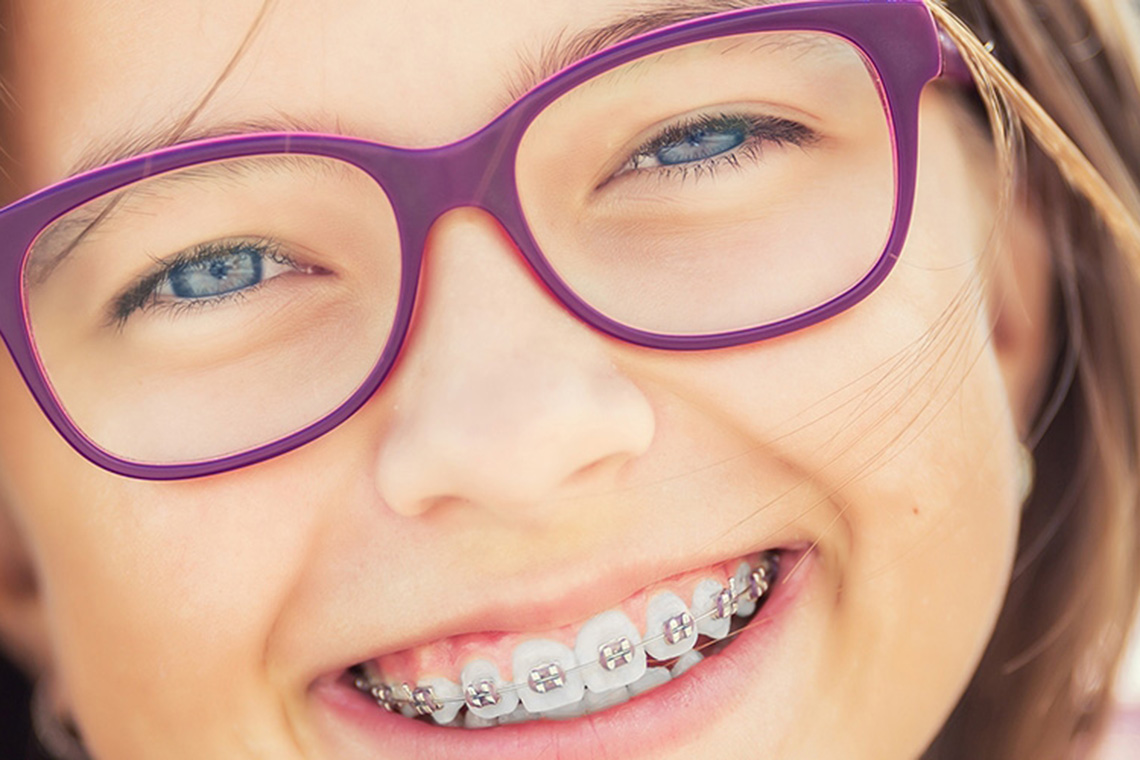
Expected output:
(502, 399)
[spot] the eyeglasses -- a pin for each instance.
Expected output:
(710, 184)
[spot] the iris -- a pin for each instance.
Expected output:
(237, 269)
(701, 143)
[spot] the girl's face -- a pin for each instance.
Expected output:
(521, 473)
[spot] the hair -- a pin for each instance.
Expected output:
(1060, 83)
(1060, 80)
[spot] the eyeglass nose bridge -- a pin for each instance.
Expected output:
(422, 185)
(476, 171)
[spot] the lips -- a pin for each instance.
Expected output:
(479, 680)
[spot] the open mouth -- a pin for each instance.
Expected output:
(485, 680)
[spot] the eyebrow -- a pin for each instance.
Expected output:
(562, 51)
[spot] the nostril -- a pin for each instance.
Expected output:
(479, 449)
(434, 504)
(599, 471)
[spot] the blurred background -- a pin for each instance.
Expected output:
(14, 693)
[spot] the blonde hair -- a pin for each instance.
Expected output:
(1067, 132)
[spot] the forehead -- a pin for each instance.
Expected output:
(91, 75)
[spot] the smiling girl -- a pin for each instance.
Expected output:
(583, 379)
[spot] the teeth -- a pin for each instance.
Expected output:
(596, 702)
(483, 690)
(607, 666)
(653, 678)
(471, 720)
(686, 661)
(445, 699)
(746, 603)
(518, 715)
(759, 581)
(669, 628)
(708, 598)
(567, 712)
(406, 694)
(609, 648)
(383, 694)
(545, 669)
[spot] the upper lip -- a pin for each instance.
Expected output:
(548, 601)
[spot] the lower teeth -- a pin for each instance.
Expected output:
(432, 703)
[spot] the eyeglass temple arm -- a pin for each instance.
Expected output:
(954, 66)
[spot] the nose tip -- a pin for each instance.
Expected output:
(511, 446)
(502, 399)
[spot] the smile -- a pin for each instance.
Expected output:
(602, 663)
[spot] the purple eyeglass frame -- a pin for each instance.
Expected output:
(898, 37)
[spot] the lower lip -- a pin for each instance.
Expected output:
(648, 725)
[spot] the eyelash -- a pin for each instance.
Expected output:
(758, 132)
(143, 295)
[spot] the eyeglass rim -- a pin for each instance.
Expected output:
(898, 37)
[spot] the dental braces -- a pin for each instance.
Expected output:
(612, 655)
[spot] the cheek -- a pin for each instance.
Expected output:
(896, 411)
(904, 448)
(161, 598)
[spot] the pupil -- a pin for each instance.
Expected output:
(697, 137)
(219, 269)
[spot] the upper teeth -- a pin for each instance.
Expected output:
(609, 658)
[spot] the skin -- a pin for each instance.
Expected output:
(194, 616)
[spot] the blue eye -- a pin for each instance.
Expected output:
(699, 144)
(206, 275)
(236, 270)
